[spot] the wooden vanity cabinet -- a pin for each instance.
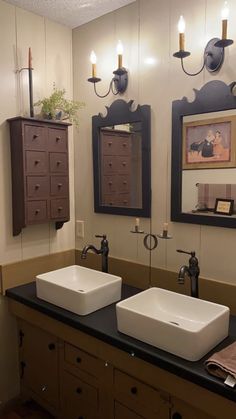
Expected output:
(40, 177)
(76, 376)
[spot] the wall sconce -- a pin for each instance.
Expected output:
(214, 52)
(119, 82)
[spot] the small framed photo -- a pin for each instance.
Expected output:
(224, 206)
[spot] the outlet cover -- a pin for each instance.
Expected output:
(80, 229)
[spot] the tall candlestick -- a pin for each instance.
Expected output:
(30, 70)
(181, 28)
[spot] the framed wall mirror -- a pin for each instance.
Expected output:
(121, 160)
(204, 156)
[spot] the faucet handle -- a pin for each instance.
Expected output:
(192, 253)
(101, 236)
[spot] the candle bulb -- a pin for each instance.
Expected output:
(165, 230)
(137, 223)
(120, 50)
(225, 15)
(181, 29)
(93, 60)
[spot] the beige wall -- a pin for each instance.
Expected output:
(52, 61)
(148, 29)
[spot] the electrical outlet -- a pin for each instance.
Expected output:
(80, 229)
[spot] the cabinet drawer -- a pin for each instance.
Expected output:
(123, 165)
(36, 161)
(36, 211)
(123, 145)
(58, 162)
(130, 390)
(109, 184)
(59, 185)
(37, 186)
(34, 137)
(123, 183)
(82, 360)
(59, 208)
(57, 139)
(109, 144)
(79, 399)
(109, 165)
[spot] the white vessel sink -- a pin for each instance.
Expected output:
(185, 326)
(78, 289)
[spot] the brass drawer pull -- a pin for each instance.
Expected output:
(37, 211)
(79, 390)
(37, 186)
(79, 360)
(134, 390)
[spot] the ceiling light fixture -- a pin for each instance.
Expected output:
(119, 82)
(214, 52)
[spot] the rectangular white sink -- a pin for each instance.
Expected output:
(184, 326)
(78, 289)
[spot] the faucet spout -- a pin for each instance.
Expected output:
(104, 250)
(182, 273)
(192, 271)
(87, 248)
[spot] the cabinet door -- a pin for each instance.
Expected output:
(181, 410)
(39, 363)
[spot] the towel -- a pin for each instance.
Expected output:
(223, 363)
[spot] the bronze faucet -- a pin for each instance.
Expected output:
(104, 250)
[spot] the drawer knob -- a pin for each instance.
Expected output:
(110, 203)
(110, 164)
(125, 202)
(58, 138)
(176, 415)
(51, 346)
(35, 136)
(110, 182)
(124, 163)
(37, 186)
(124, 144)
(110, 143)
(78, 359)
(134, 390)
(36, 162)
(59, 185)
(37, 211)
(60, 208)
(44, 388)
(58, 162)
(125, 182)
(79, 390)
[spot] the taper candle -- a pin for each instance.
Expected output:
(181, 28)
(93, 60)
(224, 15)
(120, 50)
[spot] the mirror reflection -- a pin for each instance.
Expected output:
(121, 165)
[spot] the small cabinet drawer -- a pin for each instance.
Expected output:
(109, 144)
(58, 162)
(123, 145)
(59, 208)
(79, 399)
(59, 185)
(131, 391)
(123, 183)
(123, 164)
(37, 186)
(34, 137)
(36, 211)
(109, 184)
(36, 162)
(82, 360)
(109, 165)
(57, 139)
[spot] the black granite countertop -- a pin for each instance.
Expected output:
(102, 325)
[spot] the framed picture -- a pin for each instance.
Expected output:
(224, 206)
(209, 143)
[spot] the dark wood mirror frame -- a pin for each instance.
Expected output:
(214, 96)
(120, 113)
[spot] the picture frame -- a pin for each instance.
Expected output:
(224, 206)
(209, 143)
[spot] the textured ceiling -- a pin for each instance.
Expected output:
(71, 13)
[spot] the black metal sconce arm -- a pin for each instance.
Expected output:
(118, 83)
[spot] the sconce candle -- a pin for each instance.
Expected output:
(225, 15)
(120, 50)
(93, 60)
(181, 29)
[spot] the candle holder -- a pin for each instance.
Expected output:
(118, 83)
(149, 236)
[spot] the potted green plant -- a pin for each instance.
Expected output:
(57, 106)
